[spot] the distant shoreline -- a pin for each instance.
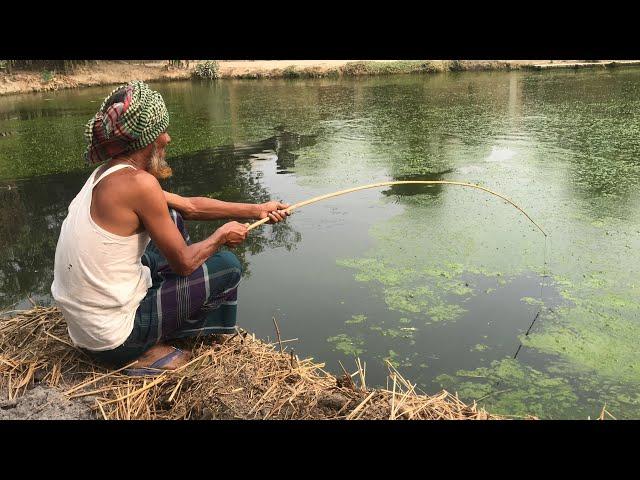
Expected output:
(116, 72)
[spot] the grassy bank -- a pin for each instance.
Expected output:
(236, 377)
(116, 72)
(395, 67)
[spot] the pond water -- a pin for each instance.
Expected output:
(453, 286)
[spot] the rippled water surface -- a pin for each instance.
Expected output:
(451, 285)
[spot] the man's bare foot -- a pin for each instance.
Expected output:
(158, 351)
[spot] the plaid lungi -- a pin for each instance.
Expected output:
(204, 302)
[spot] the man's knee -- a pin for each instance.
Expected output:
(229, 260)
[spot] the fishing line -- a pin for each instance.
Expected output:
(545, 275)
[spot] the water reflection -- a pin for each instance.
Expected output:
(409, 190)
(589, 122)
(32, 213)
(34, 209)
(285, 143)
(226, 173)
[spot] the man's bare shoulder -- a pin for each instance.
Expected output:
(143, 179)
(137, 182)
(132, 188)
(144, 191)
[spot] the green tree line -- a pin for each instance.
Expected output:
(37, 65)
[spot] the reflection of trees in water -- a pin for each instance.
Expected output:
(32, 212)
(284, 143)
(225, 173)
(580, 122)
(410, 190)
(593, 120)
(11, 223)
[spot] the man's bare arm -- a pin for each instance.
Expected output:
(152, 209)
(203, 208)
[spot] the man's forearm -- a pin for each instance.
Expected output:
(203, 208)
(197, 253)
(210, 209)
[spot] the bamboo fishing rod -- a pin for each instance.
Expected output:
(400, 182)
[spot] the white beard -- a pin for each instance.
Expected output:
(158, 166)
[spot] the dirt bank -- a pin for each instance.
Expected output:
(100, 73)
(46, 403)
(115, 72)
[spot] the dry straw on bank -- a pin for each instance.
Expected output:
(237, 377)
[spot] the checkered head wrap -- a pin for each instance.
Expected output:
(130, 118)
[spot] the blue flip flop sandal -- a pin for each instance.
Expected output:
(156, 367)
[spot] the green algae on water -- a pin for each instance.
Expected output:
(357, 319)
(507, 387)
(532, 301)
(392, 358)
(479, 347)
(347, 345)
(445, 312)
(370, 269)
(591, 338)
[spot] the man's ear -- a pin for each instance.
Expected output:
(147, 152)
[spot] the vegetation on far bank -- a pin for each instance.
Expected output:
(22, 76)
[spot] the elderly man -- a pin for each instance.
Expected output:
(127, 277)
